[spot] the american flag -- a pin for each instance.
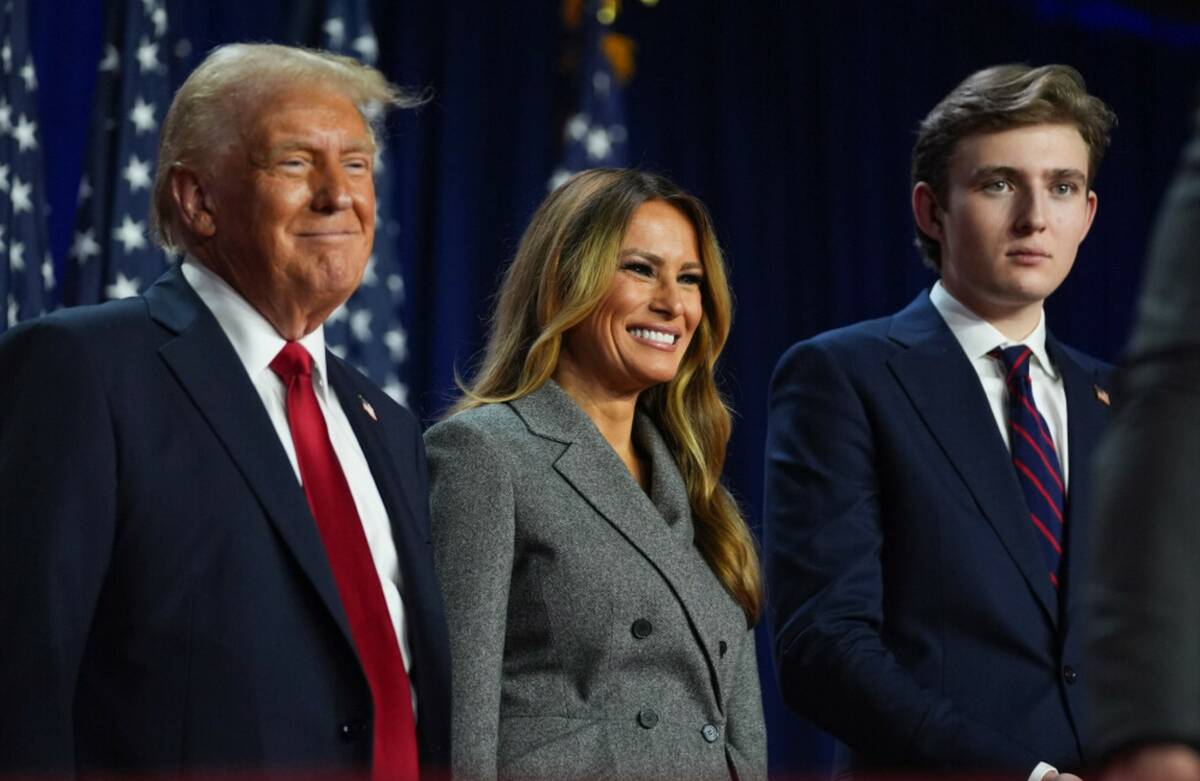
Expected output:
(111, 254)
(367, 330)
(26, 268)
(594, 134)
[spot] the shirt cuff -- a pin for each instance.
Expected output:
(1041, 770)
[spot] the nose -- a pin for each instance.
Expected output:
(667, 300)
(331, 189)
(1031, 214)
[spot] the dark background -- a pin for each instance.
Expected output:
(793, 121)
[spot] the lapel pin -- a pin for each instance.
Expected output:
(367, 408)
(1101, 395)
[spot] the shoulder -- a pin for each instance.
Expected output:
(375, 401)
(73, 340)
(490, 430)
(861, 346)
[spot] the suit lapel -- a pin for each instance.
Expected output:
(596, 472)
(204, 362)
(1086, 416)
(944, 388)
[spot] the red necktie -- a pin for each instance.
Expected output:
(332, 505)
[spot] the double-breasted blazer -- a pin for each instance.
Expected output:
(166, 601)
(589, 639)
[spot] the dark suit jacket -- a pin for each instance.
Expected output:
(165, 598)
(1144, 636)
(912, 614)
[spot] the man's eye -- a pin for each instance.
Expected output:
(997, 186)
(1066, 188)
(357, 165)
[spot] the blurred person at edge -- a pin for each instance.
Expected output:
(601, 585)
(1144, 625)
(215, 552)
(926, 523)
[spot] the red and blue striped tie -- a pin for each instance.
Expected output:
(1034, 456)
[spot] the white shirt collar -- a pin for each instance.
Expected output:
(254, 339)
(978, 337)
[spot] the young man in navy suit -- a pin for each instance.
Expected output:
(215, 551)
(927, 473)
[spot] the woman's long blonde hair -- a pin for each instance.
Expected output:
(562, 270)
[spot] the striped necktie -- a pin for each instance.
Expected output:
(1034, 456)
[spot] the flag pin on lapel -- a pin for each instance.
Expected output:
(367, 408)
(1101, 395)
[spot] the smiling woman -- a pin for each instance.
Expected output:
(601, 585)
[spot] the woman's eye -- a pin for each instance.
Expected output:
(691, 279)
(639, 268)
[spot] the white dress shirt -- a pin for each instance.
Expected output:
(256, 343)
(978, 337)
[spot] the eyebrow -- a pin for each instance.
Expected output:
(297, 145)
(986, 171)
(691, 265)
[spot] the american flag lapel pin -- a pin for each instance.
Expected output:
(1101, 395)
(367, 408)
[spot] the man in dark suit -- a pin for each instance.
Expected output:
(1143, 632)
(926, 472)
(215, 532)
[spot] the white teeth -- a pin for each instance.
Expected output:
(653, 336)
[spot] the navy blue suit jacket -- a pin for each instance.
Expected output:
(913, 617)
(165, 598)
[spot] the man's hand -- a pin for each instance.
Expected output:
(1168, 762)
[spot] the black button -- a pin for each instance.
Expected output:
(352, 730)
(722, 647)
(642, 628)
(710, 733)
(1069, 674)
(647, 718)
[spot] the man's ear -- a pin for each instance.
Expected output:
(193, 202)
(926, 211)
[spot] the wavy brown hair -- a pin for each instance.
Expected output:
(563, 268)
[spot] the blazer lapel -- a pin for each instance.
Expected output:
(204, 362)
(944, 388)
(1086, 416)
(593, 469)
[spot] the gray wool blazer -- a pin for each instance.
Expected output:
(588, 637)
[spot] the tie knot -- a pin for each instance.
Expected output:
(293, 361)
(1015, 360)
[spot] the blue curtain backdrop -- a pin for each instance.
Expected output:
(792, 120)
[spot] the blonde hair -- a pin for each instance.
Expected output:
(204, 115)
(562, 270)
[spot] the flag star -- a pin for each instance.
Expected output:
(13, 310)
(337, 350)
(147, 55)
(122, 287)
(20, 196)
(48, 280)
(601, 82)
(577, 127)
(397, 390)
(335, 28)
(137, 173)
(3, 180)
(339, 314)
(559, 178)
(5, 115)
(6, 55)
(148, 6)
(395, 283)
(111, 60)
(370, 278)
(598, 144)
(29, 75)
(367, 47)
(85, 189)
(84, 246)
(159, 17)
(142, 116)
(16, 256)
(360, 324)
(2, 244)
(25, 134)
(132, 236)
(396, 342)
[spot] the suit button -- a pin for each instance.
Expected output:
(710, 733)
(722, 647)
(642, 628)
(647, 718)
(352, 730)
(1069, 674)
